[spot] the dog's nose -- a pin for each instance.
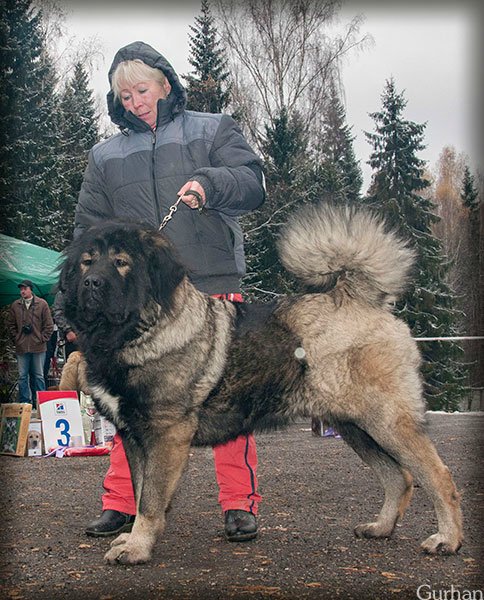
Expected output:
(93, 281)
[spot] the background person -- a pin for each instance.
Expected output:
(31, 326)
(165, 151)
(50, 353)
(67, 334)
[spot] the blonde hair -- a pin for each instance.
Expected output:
(131, 72)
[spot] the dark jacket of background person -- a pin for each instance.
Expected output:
(58, 312)
(186, 145)
(40, 319)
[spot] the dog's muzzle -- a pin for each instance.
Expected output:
(94, 282)
(92, 295)
(98, 300)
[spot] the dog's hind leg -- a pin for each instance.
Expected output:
(409, 445)
(396, 481)
(426, 465)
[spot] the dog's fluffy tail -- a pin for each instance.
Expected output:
(346, 249)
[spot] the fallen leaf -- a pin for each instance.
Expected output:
(389, 575)
(258, 588)
(75, 574)
(366, 569)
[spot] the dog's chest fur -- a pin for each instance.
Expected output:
(108, 405)
(161, 373)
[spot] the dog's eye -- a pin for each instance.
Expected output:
(120, 262)
(87, 262)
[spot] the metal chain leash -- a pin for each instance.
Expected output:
(174, 207)
(172, 210)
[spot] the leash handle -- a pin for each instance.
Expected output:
(198, 197)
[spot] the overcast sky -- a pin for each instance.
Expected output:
(431, 49)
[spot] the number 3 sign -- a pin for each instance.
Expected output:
(61, 417)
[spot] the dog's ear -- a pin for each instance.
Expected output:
(67, 270)
(165, 271)
(67, 285)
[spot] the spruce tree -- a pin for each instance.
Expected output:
(286, 165)
(337, 172)
(469, 194)
(79, 133)
(284, 147)
(473, 275)
(208, 87)
(396, 193)
(29, 186)
(20, 45)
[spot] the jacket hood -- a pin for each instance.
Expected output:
(150, 56)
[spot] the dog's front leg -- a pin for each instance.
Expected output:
(161, 463)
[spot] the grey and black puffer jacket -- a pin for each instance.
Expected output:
(137, 173)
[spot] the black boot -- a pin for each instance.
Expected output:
(240, 526)
(111, 522)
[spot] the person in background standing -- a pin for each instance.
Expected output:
(31, 327)
(67, 335)
(50, 353)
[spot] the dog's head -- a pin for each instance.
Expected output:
(34, 439)
(112, 271)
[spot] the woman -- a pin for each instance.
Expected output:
(165, 151)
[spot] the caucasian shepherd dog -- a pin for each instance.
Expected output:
(171, 366)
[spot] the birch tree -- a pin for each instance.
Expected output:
(283, 54)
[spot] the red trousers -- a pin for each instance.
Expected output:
(235, 470)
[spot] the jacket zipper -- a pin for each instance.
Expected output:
(153, 179)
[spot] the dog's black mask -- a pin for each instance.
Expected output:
(111, 272)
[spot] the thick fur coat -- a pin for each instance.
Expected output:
(172, 367)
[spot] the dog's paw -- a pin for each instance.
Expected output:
(373, 530)
(127, 554)
(121, 539)
(439, 544)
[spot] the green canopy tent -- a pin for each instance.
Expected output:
(21, 260)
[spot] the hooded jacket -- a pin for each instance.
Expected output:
(137, 173)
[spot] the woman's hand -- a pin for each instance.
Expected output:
(191, 200)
